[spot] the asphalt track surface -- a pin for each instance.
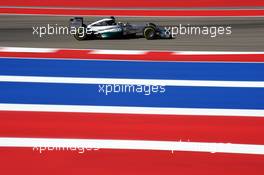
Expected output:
(247, 34)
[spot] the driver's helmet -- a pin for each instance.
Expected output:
(113, 18)
(113, 21)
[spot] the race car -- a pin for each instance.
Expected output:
(108, 28)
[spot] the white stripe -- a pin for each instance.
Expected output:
(118, 52)
(213, 53)
(124, 52)
(134, 145)
(132, 110)
(27, 50)
(72, 80)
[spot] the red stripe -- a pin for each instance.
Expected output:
(150, 56)
(111, 162)
(132, 127)
(106, 12)
(135, 3)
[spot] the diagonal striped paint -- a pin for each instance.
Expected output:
(140, 55)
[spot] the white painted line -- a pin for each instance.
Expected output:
(132, 110)
(41, 143)
(213, 53)
(27, 50)
(122, 52)
(73, 80)
(118, 52)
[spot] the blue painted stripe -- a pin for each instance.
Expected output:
(141, 70)
(182, 97)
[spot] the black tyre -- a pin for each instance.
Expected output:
(152, 25)
(81, 34)
(149, 33)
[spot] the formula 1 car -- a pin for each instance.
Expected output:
(108, 28)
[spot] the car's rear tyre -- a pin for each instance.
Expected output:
(152, 25)
(81, 34)
(149, 33)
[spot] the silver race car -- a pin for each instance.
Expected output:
(108, 28)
